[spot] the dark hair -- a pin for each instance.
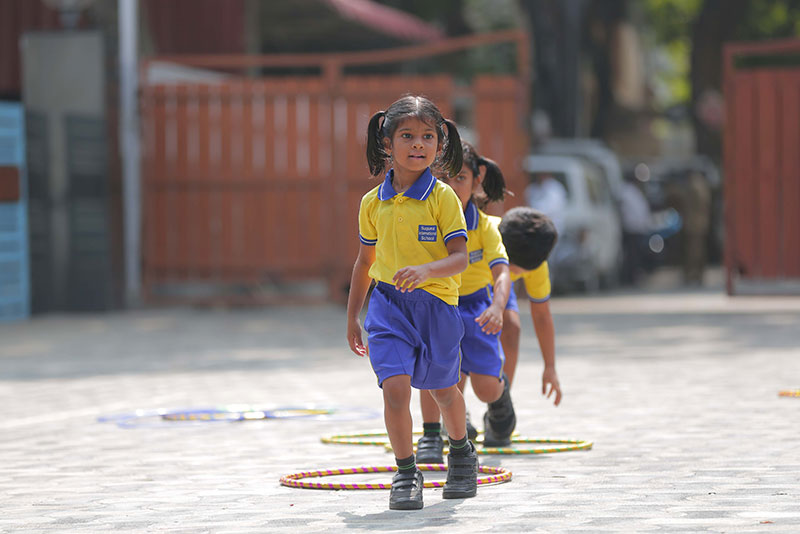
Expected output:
(494, 185)
(420, 108)
(528, 235)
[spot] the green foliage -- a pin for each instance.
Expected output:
(670, 22)
(770, 19)
(670, 19)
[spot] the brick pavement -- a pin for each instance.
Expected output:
(678, 393)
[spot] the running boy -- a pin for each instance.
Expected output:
(482, 298)
(413, 244)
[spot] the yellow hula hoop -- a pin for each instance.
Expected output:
(566, 446)
(497, 475)
(789, 393)
(366, 438)
(563, 445)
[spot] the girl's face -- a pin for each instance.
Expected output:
(414, 145)
(464, 184)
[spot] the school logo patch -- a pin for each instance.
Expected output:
(427, 232)
(476, 255)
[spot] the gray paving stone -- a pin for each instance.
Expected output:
(678, 392)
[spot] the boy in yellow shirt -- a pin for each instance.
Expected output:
(529, 236)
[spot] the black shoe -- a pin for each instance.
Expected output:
(406, 491)
(429, 450)
(472, 432)
(462, 474)
(499, 420)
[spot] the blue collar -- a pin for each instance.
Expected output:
(471, 215)
(419, 190)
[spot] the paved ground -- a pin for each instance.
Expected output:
(679, 393)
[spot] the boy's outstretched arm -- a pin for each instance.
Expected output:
(546, 334)
(408, 278)
(359, 285)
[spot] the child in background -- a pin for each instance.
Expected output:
(482, 298)
(529, 236)
(413, 244)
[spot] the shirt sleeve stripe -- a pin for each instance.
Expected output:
(455, 233)
(369, 242)
(498, 261)
(545, 299)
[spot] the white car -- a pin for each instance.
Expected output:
(593, 150)
(589, 249)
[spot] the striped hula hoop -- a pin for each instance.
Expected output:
(497, 475)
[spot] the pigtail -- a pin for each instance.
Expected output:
(452, 157)
(376, 154)
(494, 184)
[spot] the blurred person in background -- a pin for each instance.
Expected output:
(690, 195)
(636, 228)
(548, 195)
(697, 221)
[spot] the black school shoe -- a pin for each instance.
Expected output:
(406, 493)
(429, 450)
(499, 420)
(462, 474)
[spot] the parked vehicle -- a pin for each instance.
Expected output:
(593, 150)
(589, 248)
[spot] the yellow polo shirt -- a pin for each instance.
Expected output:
(412, 229)
(537, 282)
(485, 249)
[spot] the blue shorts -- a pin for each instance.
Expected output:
(512, 300)
(480, 352)
(415, 334)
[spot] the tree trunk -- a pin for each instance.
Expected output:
(716, 23)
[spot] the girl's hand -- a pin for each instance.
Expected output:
(409, 278)
(354, 338)
(491, 320)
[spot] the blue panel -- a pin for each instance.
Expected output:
(14, 274)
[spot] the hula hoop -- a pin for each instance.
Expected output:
(245, 414)
(358, 439)
(789, 393)
(498, 475)
(565, 445)
(233, 413)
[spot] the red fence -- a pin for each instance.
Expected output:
(253, 181)
(762, 167)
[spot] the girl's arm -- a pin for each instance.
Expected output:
(359, 285)
(408, 278)
(491, 320)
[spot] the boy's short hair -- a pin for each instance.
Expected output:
(528, 235)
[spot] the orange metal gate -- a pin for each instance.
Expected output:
(762, 167)
(253, 181)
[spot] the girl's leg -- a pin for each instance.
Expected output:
(487, 388)
(429, 407)
(451, 404)
(463, 382)
(509, 338)
(430, 445)
(397, 414)
(430, 410)
(462, 460)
